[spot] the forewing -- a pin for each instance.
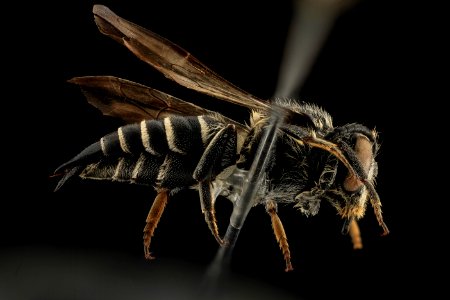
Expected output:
(134, 102)
(171, 60)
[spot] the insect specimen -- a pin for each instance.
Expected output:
(170, 144)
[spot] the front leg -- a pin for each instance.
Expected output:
(309, 201)
(355, 234)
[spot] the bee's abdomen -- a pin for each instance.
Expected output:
(154, 152)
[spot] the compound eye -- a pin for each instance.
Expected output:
(364, 152)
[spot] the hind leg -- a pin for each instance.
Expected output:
(153, 218)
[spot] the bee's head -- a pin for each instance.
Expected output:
(359, 145)
(348, 176)
(355, 180)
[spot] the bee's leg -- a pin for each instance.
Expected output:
(355, 234)
(153, 218)
(220, 153)
(309, 201)
(351, 228)
(280, 234)
(208, 210)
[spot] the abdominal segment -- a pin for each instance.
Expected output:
(161, 153)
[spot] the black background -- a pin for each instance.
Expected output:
(85, 242)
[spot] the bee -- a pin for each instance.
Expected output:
(171, 145)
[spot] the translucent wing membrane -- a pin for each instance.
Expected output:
(171, 60)
(134, 102)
